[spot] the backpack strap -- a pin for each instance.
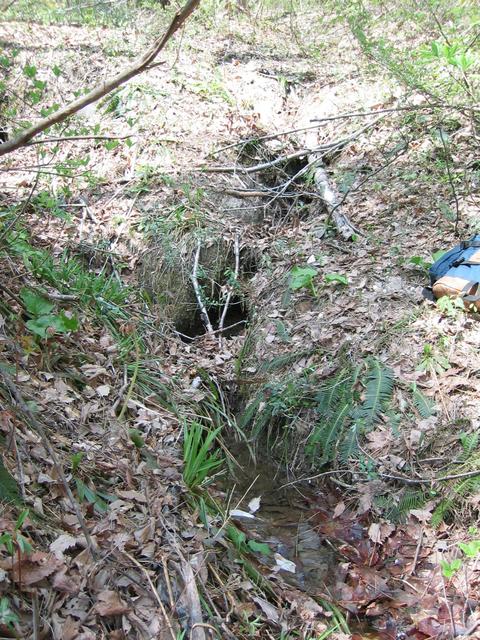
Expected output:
(467, 244)
(475, 297)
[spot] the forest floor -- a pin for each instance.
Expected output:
(278, 545)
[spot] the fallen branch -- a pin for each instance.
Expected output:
(272, 163)
(231, 290)
(330, 197)
(74, 138)
(198, 292)
(141, 64)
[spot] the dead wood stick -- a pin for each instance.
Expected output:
(236, 249)
(73, 138)
(271, 163)
(155, 593)
(139, 65)
(417, 554)
(329, 195)
(193, 599)
(37, 425)
(342, 116)
(198, 292)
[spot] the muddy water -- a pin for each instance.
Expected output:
(287, 520)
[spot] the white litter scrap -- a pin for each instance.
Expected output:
(282, 564)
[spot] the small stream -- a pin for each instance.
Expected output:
(294, 520)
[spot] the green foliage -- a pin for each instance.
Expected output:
(449, 569)
(9, 491)
(337, 278)
(399, 509)
(345, 408)
(199, 461)
(43, 322)
(433, 361)
(425, 406)
(302, 277)
(14, 542)
(136, 437)
(450, 307)
(7, 616)
(457, 491)
(471, 549)
(377, 393)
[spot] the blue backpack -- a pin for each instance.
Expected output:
(457, 272)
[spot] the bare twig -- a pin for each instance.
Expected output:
(417, 553)
(236, 249)
(37, 425)
(74, 138)
(155, 593)
(272, 163)
(198, 293)
(341, 116)
(450, 179)
(35, 616)
(139, 65)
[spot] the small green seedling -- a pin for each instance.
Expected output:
(450, 306)
(302, 277)
(43, 322)
(449, 569)
(336, 278)
(7, 617)
(15, 542)
(136, 438)
(470, 549)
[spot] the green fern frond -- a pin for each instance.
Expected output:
(378, 392)
(409, 500)
(425, 406)
(469, 444)
(442, 511)
(325, 436)
(348, 447)
(247, 416)
(284, 360)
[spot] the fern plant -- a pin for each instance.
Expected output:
(458, 491)
(343, 417)
(345, 407)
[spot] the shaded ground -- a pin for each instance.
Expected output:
(164, 561)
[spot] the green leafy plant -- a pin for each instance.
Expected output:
(15, 542)
(471, 549)
(450, 307)
(449, 569)
(199, 461)
(433, 361)
(7, 616)
(336, 278)
(424, 405)
(302, 277)
(136, 437)
(43, 322)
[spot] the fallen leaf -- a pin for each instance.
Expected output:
(63, 542)
(339, 509)
(268, 609)
(35, 568)
(254, 505)
(109, 603)
(238, 513)
(282, 564)
(103, 390)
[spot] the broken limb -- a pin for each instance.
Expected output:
(198, 292)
